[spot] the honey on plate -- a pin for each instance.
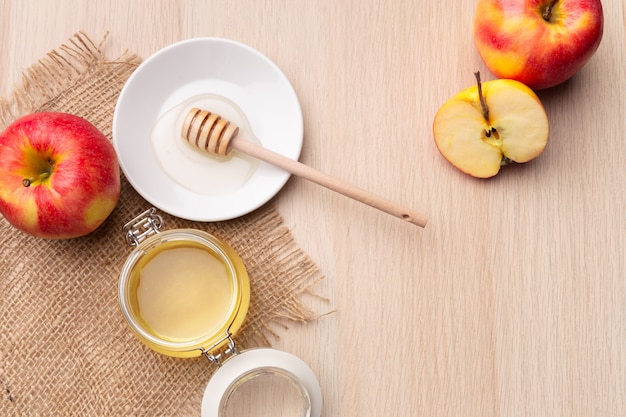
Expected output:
(192, 168)
(183, 292)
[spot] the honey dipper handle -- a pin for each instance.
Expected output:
(334, 184)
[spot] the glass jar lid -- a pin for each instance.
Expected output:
(262, 382)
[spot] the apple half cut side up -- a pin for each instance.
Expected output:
(490, 124)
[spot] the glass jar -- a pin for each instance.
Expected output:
(185, 293)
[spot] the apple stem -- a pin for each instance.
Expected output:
(483, 103)
(27, 182)
(44, 172)
(547, 12)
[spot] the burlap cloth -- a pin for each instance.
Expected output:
(65, 349)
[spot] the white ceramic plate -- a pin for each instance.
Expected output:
(219, 67)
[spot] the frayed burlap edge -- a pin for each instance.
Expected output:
(57, 72)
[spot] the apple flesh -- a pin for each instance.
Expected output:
(59, 175)
(489, 125)
(540, 43)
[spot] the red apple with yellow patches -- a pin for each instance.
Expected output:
(489, 125)
(540, 43)
(59, 175)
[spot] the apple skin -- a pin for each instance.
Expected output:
(59, 175)
(516, 42)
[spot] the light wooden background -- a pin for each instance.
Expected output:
(512, 302)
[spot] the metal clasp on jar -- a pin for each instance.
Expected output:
(144, 225)
(217, 359)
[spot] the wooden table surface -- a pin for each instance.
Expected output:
(512, 301)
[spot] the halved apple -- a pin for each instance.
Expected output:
(489, 125)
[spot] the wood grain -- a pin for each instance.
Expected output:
(512, 301)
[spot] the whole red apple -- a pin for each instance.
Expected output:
(59, 175)
(540, 43)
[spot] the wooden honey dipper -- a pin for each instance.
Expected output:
(216, 135)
